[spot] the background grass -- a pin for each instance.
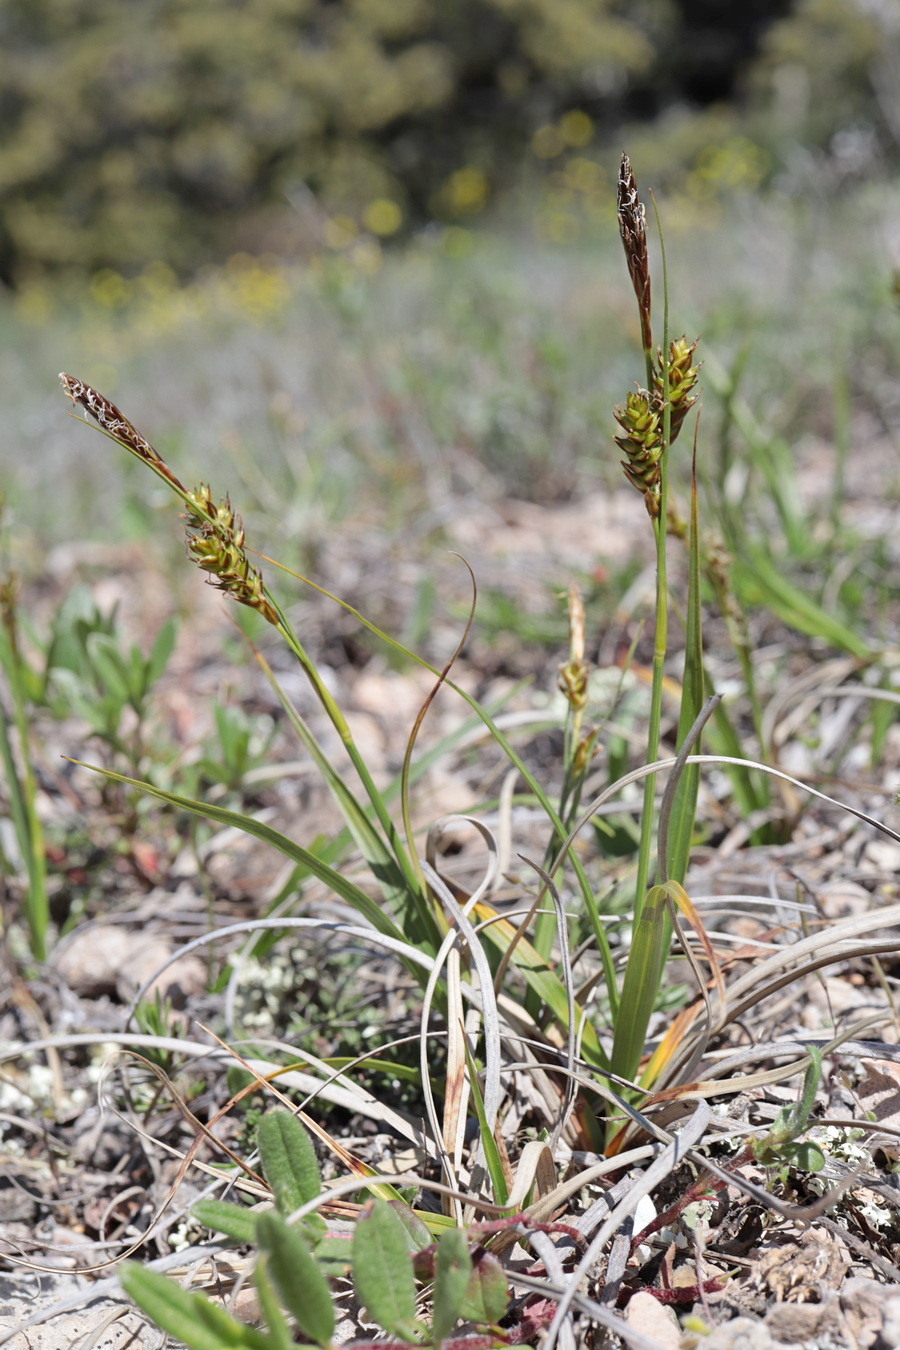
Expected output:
(373, 385)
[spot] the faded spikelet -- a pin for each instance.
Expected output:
(719, 566)
(641, 421)
(573, 674)
(633, 231)
(573, 684)
(682, 381)
(108, 417)
(215, 537)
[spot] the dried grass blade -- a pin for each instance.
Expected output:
(690, 1135)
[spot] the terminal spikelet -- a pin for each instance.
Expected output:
(633, 232)
(116, 425)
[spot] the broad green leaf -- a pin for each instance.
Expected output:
(808, 1157)
(383, 1270)
(301, 1285)
(191, 1318)
(419, 1235)
(452, 1271)
(235, 1221)
(487, 1296)
(274, 1318)
(333, 1255)
(288, 1160)
(106, 660)
(161, 651)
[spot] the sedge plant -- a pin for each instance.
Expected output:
(408, 909)
(390, 1255)
(650, 421)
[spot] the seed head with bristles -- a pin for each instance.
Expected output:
(633, 231)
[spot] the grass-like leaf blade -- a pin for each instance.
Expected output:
(354, 896)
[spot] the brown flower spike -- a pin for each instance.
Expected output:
(633, 231)
(108, 417)
(215, 534)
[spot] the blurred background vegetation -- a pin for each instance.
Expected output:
(340, 252)
(176, 133)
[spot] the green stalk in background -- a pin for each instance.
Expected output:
(20, 779)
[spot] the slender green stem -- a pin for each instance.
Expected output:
(660, 635)
(636, 1004)
(23, 808)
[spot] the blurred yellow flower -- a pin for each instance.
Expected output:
(576, 128)
(339, 232)
(110, 290)
(466, 191)
(383, 217)
(583, 174)
(547, 142)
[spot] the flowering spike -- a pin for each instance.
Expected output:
(633, 231)
(116, 425)
(682, 381)
(641, 420)
(215, 538)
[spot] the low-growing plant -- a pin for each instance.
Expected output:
(390, 1250)
(514, 971)
(91, 671)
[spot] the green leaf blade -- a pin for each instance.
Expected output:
(383, 1271)
(191, 1318)
(288, 1160)
(453, 1270)
(234, 1221)
(487, 1296)
(301, 1285)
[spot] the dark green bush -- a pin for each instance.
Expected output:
(177, 130)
